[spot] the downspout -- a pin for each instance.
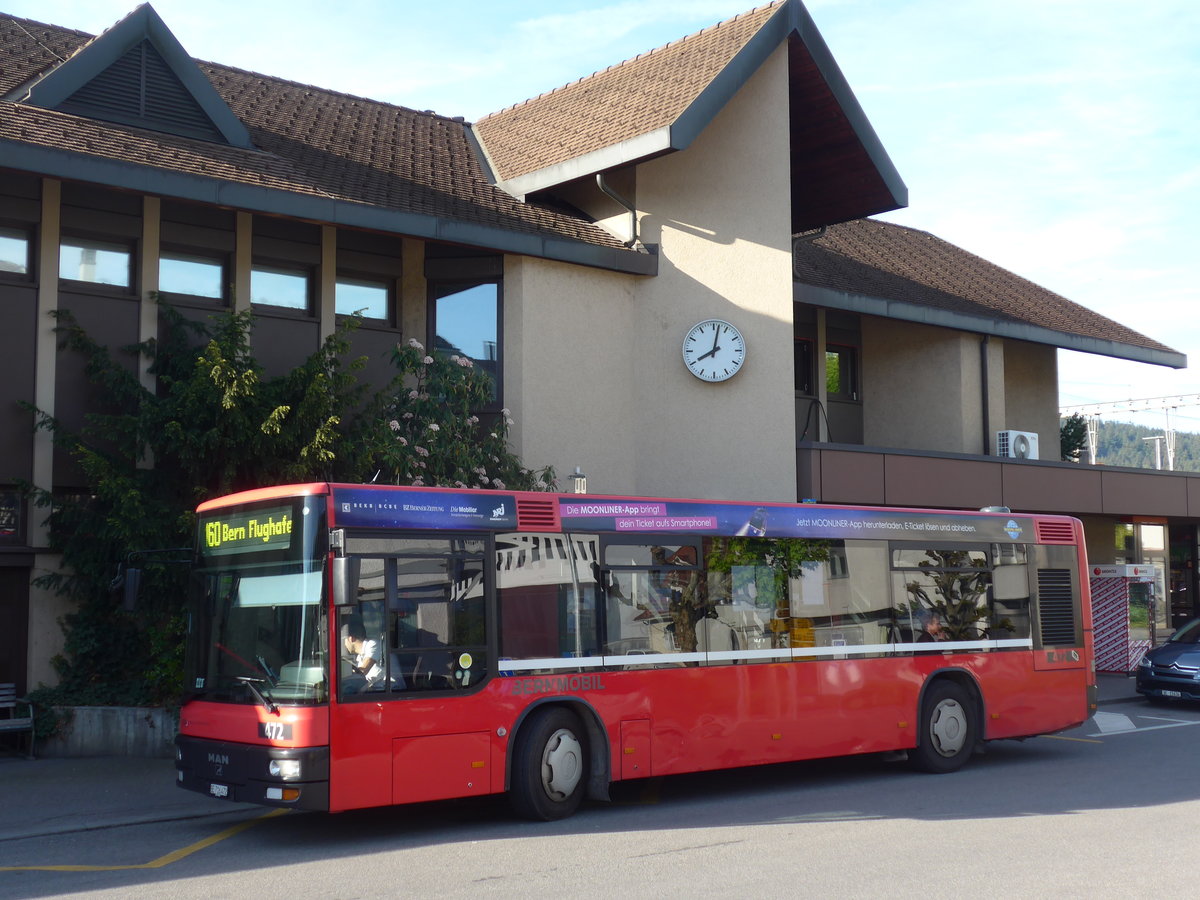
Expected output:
(983, 381)
(624, 204)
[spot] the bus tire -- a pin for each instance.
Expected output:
(549, 767)
(948, 729)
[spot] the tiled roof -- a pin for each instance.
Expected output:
(893, 264)
(309, 141)
(621, 102)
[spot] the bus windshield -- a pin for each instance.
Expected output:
(257, 625)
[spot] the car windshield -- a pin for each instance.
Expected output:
(257, 630)
(1188, 634)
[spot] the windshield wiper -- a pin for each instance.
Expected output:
(271, 676)
(263, 696)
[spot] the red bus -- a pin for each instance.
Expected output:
(356, 646)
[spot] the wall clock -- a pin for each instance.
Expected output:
(714, 350)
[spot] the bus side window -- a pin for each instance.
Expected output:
(951, 582)
(546, 594)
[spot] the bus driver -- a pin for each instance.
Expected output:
(363, 656)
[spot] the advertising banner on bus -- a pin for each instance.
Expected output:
(366, 507)
(601, 514)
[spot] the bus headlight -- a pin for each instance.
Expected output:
(284, 768)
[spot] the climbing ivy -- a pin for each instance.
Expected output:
(216, 423)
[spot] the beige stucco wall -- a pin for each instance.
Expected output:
(922, 387)
(1031, 393)
(570, 378)
(593, 366)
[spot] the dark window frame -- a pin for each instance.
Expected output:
(388, 283)
(25, 231)
(439, 288)
(849, 390)
(71, 238)
(224, 260)
(285, 267)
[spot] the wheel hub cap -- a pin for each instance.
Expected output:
(948, 728)
(562, 764)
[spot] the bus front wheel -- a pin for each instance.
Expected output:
(549, 767)
(948, 729)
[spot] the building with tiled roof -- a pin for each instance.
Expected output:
(728, 175)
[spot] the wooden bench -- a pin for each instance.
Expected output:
(9, 720)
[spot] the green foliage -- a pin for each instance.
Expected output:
(1072, 435)
(1124, 444)
(216, 424)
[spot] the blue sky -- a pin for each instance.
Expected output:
(1057, 138)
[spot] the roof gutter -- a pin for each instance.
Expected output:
(995, 326)
(68, 165)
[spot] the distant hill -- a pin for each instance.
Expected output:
(1121, 444)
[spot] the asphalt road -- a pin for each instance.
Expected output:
(1106, 810)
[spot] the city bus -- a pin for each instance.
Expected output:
(353, 646)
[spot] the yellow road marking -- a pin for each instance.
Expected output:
(1059, 737)
(173, 856)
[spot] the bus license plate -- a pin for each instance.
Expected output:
(219, 790)
(1171, 693)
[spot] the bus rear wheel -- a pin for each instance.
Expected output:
(948, 730)
(549, 768)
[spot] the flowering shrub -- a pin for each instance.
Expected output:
(434, 434)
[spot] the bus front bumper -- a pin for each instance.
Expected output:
(288, 777)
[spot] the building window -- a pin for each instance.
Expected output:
(281, 287)
(193, 275)
(10, 517)
(14, 252)
(95, 262)
(841, 372)
(369, 299)
(466, 322)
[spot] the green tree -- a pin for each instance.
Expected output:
(215, 424)
(1072, 435)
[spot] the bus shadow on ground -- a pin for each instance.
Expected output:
(994, 784)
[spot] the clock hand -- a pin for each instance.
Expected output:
(713, 352)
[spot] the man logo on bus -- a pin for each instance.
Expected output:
(1013, 529)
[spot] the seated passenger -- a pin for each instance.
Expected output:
(931, 630)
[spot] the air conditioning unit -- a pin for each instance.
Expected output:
(1017, 444)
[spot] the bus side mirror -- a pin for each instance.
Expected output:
(345, 579)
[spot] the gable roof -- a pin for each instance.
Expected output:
(313, 154)
(659, 101)
(137, 73)
(884, 269)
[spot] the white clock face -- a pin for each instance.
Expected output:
(714, 350)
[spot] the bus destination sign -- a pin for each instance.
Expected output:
(247, 532)
(803, 521)
(398, 508)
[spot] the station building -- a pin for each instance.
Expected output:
(730, 175)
